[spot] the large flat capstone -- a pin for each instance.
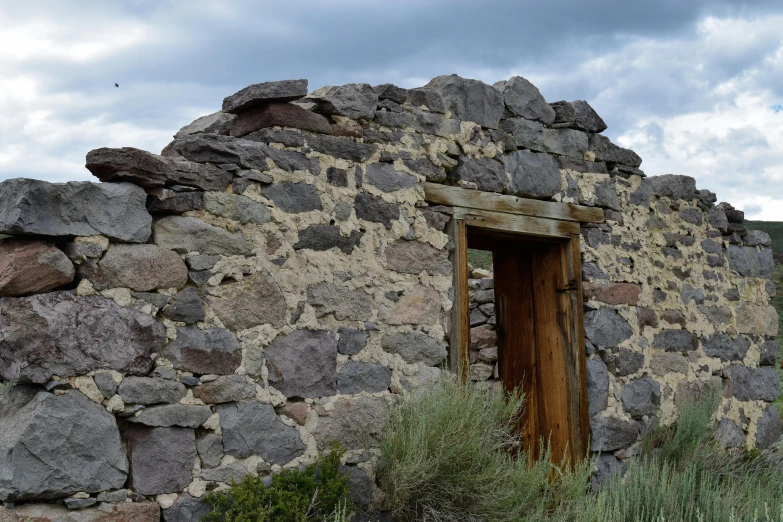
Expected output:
(53, 446)
(76, 208)
(65, 335)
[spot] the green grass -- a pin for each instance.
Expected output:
(480, 258)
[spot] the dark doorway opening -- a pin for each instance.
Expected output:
(538, 324)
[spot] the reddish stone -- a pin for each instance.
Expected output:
(647, 317)
(619, 293)
(279, 115)
(347, 130)
(126, 512)
(31, 267)
(296, 411)
(482, 337)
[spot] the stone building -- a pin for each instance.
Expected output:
(291, 264)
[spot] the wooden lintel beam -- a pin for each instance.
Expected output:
(519, 224)
(476, 199)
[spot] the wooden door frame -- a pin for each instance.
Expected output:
(500, 214)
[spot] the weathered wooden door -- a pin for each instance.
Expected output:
(534, 327)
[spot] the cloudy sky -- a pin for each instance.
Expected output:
(694, 86)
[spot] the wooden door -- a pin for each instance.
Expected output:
(535, 329)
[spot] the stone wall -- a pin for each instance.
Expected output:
(274, 279)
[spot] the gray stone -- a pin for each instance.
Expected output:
(186, 307)
(351, 341)
(65, 335)
(125, 512)
(53, 446)
(711, 247)
(245, 153)
(340, 147)
(750, 262)
(768, 353)
(768, 428)
(746, 384)
(151, 171)
(567, 142)
(356, 377)
(674, 186)
(342, 211)
(303, 363)
(606, 195)
(76, 252)
(293, 198)
(610, 434)
(354, 100)
(287, 138)
(324, 237)
(205, 352)
(356, 423)
(385, 177)
(161, 459)
(252, 428)
(215, 123)
(106, 384)
(253, 301)
(597, 386)
(664, 363)
(260, 93)
(728, 434)
(80, 503)
(426, 168)
(426, 97)
(375, 209)
(757, 238)
(718, 219)
(361, 486)
(606, 328)
(119, 495)
(533, 174)
(628, 362)
(641, 397)
(469, 100)
(526, 134)
(578, 115)
(337, 177)
(142, 268)
(175, 203)
(226, 474)
(522, 98)
(344, 303)
(675, 341)
(415, 347)
(387, 91)
(76, 208)
(226, 388)
(607, 151)
(695, 391)
(210, 449)
(641, 196)
(414, 257)
(724, 347)
(187, 509)
(488, 174)
(608, 467)
(168, 415)
(236, 208)
(189, 234)
(150, 390)
(691, 215)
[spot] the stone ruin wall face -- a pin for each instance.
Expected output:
(274, 280)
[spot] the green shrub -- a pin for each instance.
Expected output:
(685, 475)
(452, 454)
(316, 493)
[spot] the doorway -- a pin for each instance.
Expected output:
(538, 306)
